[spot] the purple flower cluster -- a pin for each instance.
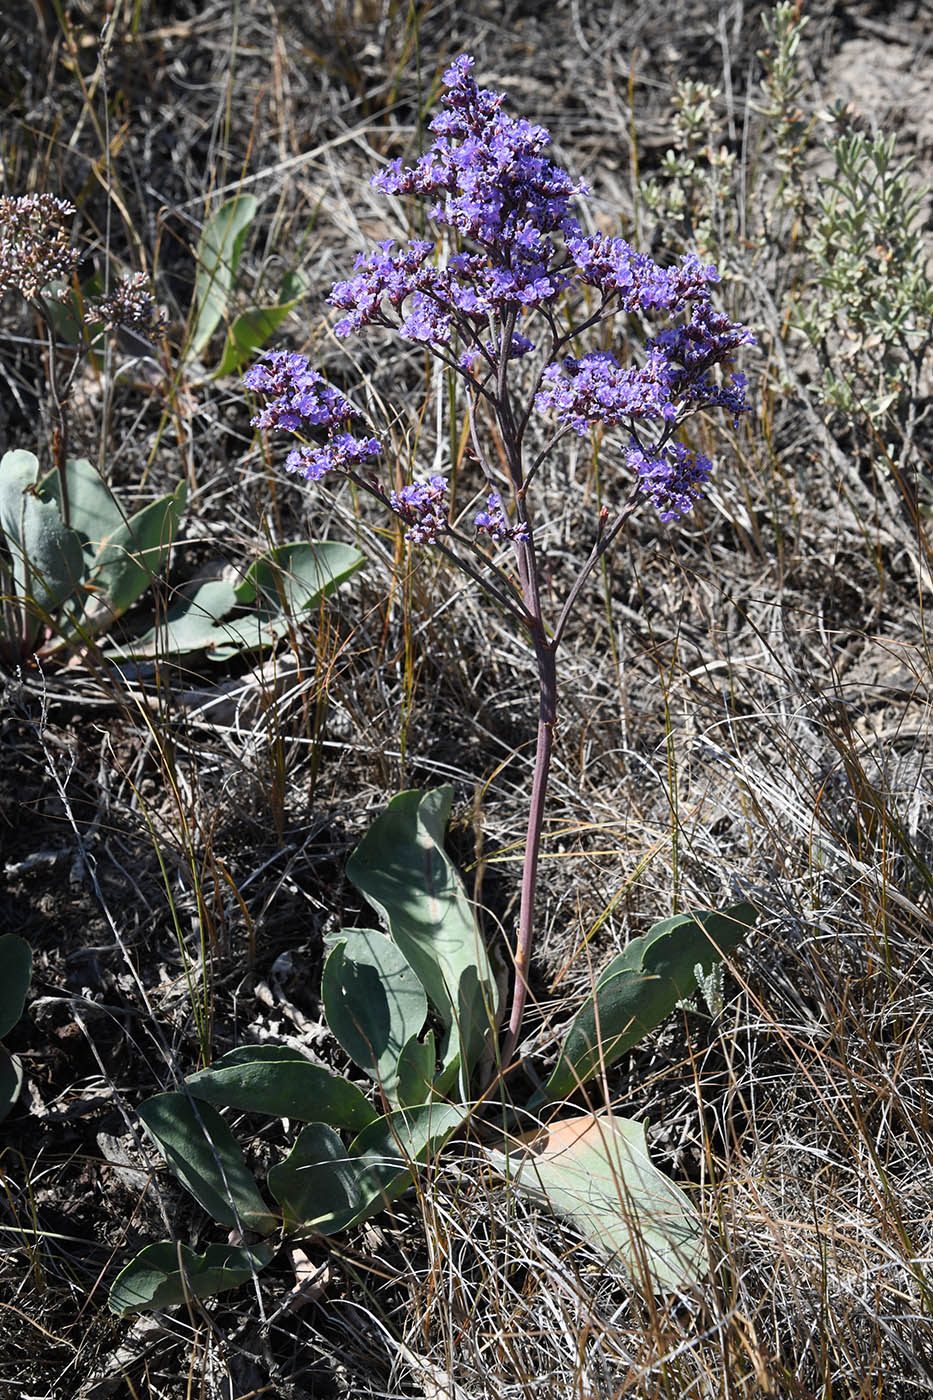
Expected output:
(517, 250)
(423, 507)
(299, 400)
(596, 389)
(488, 175)
(494, 522)
(614, 268)
(672, 476)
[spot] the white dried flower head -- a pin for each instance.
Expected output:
(130, 305)
(34, 246)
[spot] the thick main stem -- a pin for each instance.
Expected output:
(545, 652)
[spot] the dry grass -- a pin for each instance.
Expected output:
(745, 712)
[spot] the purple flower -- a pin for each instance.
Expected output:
(517, 253)
(299, 400)
(488, 174)
(493, 522)
(615, 269)
(708, 338)
(673, 476)
(596, 389)
(423, 507)
(338, 454)
(298, 397)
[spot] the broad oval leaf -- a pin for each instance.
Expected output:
(403, 870)
(281, 1081)
(15, 972)
(640, 988)
(292, 577)
(218, 257)
(47, 556)
(390, 1150)
(207, 1159)
(134, 552)
(154, 1279)
(203, 622)
(318, 1185)
(596, 1170)
(373, 1002)
(93, 511)
(415, 1072)
(191, 624)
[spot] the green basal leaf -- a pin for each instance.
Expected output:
(93, 512)
(323, 1187)
(293, 577)
(640, 988)
(415, 1071)
(47, 557)
(373, 1002)
(15, 972)
(278, 586)
(389, 1150)
(595, 1169)
(284, 1083)
(403, 870)
(164, 1275)
(205, 1156)
(134, 553)
(192, 624)
(318, 1184)
(218, 257)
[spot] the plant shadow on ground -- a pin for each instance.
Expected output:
(747, 710)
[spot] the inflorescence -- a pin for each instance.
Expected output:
(519, 251)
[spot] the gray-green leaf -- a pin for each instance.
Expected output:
(284, 1083)
(642, 986)
(318, 1184)
(218, 256)
(207, 1159)
(48, 561)
(154, 1279)
(134, 552)
(373, 1002)
(15, 972)
(596, 1170)
(403, 870)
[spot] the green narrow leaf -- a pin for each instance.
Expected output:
(280, 1081)
(596, 1170)
(204, 1155)
(252, 329)
(403, 870)
(154, 1279)
(15, 972)
(218, 257)
(318, 1185)
(373, 1002)
(640, 988)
